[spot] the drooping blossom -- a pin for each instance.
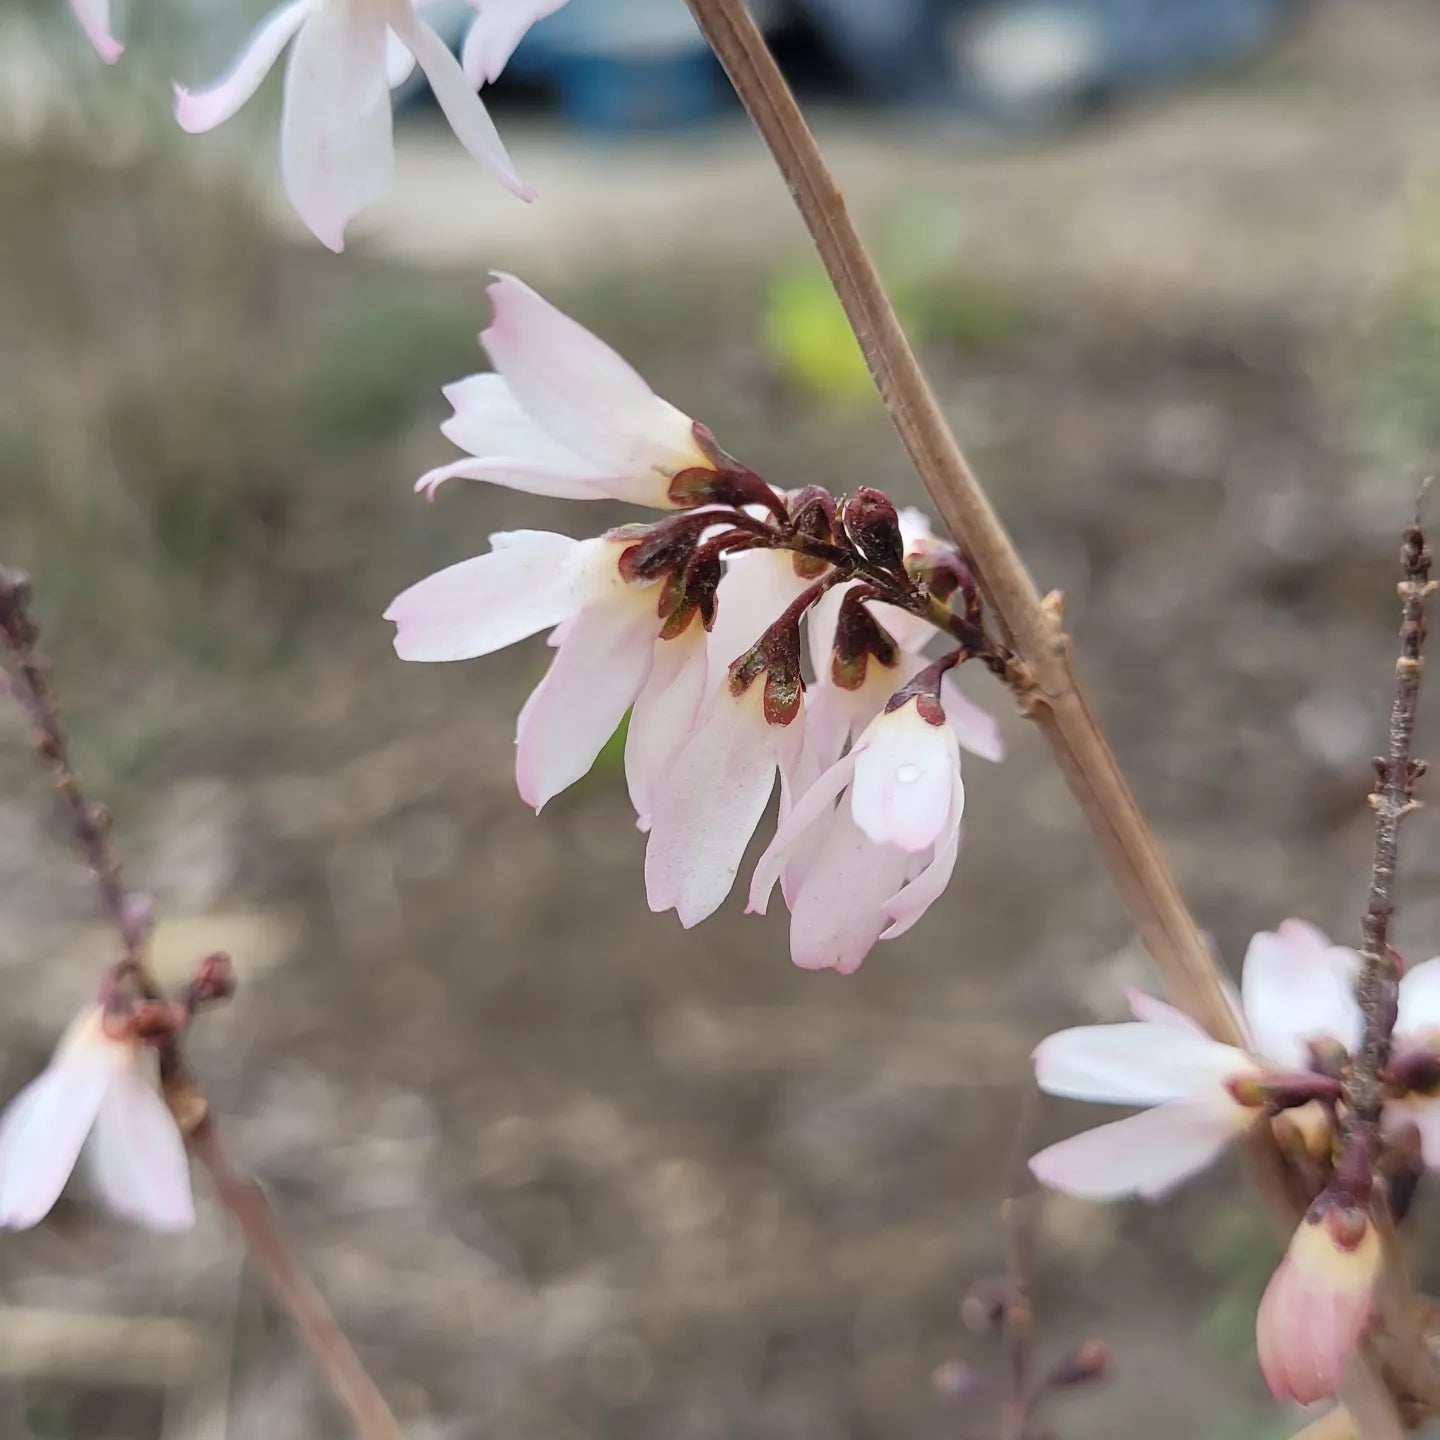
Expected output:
(563, 414)
(337, 149)
(94, 18)
(534, 580)
(96, 1095)
(497, 30)
(1318, 1302)
(1297, 990)
(1415, 1050)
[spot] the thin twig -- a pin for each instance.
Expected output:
(1016, 1215)
(88, 826)
(1032, 625)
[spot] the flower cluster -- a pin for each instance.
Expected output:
(693, 624)
(1302, 1024)
(337, 149)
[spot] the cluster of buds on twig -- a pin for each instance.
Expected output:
(755, 633)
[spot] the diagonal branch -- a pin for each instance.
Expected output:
(242, 1197)
(1055, 699)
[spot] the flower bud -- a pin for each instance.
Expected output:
(873, 525)
(1086, 1363)
(1318, 1302)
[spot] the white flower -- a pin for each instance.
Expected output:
(96, 1090)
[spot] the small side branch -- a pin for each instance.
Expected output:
(88, 826)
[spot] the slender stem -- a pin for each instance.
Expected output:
(1053, 695)
(88, 826)
(1393, 799)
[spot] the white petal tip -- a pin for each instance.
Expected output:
(109, 51)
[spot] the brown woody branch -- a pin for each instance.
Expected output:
(88, 826)
(1054, 696)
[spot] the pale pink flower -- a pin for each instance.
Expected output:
(1417, 1029)
(1318, 1304)
(337, 148)
(96, 1094)
(94, 18)
(1296, 988)
(498, 29)
(530, 581)
(869, 868)
(563, 414)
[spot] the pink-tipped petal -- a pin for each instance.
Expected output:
(593, 680)
(1419, 1016)
(1316, 1307)
(1157, 1012)
(456, 96)
(1146, 1154)
(41, 1134)
(203, 110)
(838, 910)
(585, 396)
(907, 779)
(907, 908)
(977, 730)
(664, 716)
(94, 18)
(815, 806)
(1135, 1064)
(337, 147)
(137, 1157)
(525, 584)
(713, 797)
(1296, 987)
(499, 29)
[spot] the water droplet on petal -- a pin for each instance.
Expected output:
(907, 774)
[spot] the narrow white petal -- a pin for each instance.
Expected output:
(1135, 1064)
(815, 806)
(205, 109)
(463, 108)
(593, 680)
(41, 1134)
(664, 716)
(337, 149)
(1146, 1154)
(525, 584)
(975, 728)
(907, 779)
(137, 1157)
(584, 395)
(399, 60)
(908, 907)
(500, 28)
(1296, 987)
(1419, 1002)
(94, 18)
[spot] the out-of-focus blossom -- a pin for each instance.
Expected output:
(337, 148)
(1296, 988)
(1318, 1303)
(498, 29)
(533, 580)
(563, 414)
(1416, 1047)
(94, 18)
(96, 1094)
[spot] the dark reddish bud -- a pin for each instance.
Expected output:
(812, 515)
(776, 656)
(858, 636)
(924, 689)
(1328, 1056)
(989, 1302)
(660, 549)
(1087, 1363)
(873, 526)
(1414, 1072)
(727, 483)
(214, 981)
(153, 1022)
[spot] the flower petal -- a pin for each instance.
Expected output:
(205, 109)
(815, 805)
(754, 591)
(137, 1157)
(41, 1134)
(463, 108)
(908, 906)
(593, 680)
(838, 911)
(523, 585)
(1419, 1002)
(907, 779)
(714, 795)
(94, 18)
(1135, 1064)
(1157, 1012)
(1296, 987)
(399, 60)
(1146, 1154)
(585, 396)
(975, 728)
(664, 716)
(498, 30)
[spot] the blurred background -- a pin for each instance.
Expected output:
(564, 1169)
